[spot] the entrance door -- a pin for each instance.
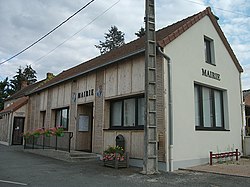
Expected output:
(85, 122)
(17, 138)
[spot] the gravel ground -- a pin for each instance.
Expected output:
(236, 168)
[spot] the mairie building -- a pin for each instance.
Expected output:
(104, 97)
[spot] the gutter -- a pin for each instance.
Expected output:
(170, 114)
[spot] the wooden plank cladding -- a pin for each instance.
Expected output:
(125, 78)
(133, 141)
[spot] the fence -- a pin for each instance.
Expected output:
(225, 155)
(247, 146)
(49, 142)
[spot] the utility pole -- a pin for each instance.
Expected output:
(150, 162)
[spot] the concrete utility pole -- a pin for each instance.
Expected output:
(150, 162)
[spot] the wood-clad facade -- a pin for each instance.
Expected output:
(90, 95)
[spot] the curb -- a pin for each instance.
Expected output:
(212, 172)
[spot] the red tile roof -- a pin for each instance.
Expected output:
(16, 105)
(163, 36)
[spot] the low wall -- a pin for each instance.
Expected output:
(247, 146)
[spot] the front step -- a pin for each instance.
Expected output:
(82, 155)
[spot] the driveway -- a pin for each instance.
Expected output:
(18, 168)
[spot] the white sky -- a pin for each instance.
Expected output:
(24, 21)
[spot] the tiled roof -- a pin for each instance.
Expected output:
(163, 36)
(28, 89)
(16, 105)
(25, 91)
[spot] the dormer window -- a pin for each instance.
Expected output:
(209, 50)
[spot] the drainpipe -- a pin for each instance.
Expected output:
(170, 111)
(242, 117)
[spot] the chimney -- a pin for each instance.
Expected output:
(24, 84)
(49, 76)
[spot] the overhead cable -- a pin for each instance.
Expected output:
(47, 33)
(77, 32)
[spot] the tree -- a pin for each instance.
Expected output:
(23, 75)
(140, 33)
(113, 39)
(4, 91)
(29, 74)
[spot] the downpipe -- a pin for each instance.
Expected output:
(170, 112)
(242, 105)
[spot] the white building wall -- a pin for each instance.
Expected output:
(191, 147)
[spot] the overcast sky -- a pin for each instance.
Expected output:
(22, 22)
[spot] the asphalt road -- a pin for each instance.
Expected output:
(18, 168)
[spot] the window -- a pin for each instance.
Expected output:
(209, 50)
(209, 113)
(127, 113)
(62, 118)
(42, 118)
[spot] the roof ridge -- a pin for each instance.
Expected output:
(16, 105)
(188, 22)
(26, 90)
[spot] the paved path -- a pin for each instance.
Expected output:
(235, 168)
(18, 168)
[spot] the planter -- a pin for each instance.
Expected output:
(117, 163)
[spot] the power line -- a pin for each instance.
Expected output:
(77, 32)
(48, 32)
(238, 13)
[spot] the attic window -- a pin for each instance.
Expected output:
(209, 50)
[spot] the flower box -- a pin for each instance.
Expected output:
(117, 163)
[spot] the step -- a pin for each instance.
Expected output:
(82, 155)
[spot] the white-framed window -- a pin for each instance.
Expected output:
(209, 110)
(127, 113)
(209, 50)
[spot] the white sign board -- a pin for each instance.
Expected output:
(83, 123)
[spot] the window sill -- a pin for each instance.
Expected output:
(210, 129)
(125, 128)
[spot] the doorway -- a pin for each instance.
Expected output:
(84, 127)
(17, 138)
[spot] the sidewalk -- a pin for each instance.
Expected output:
(235, 168)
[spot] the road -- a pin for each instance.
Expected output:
(18, 168)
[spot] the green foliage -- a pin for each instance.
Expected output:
(140, 33)
(27, 135)
(29, 74)
(4, 91)
(23, 75)
(115, 149)
(55, 131)
(113, 39)
(9, 87)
